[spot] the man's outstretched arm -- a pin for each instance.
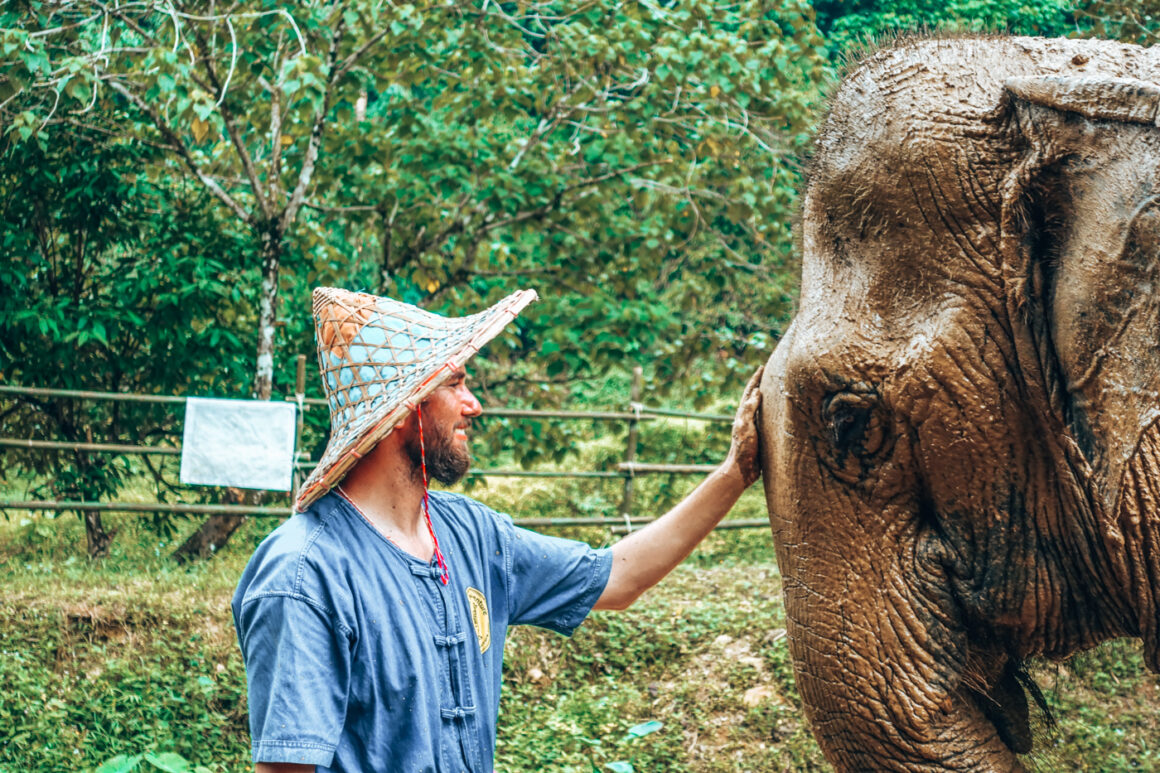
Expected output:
(642, 558)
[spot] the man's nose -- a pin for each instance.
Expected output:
(471, 406)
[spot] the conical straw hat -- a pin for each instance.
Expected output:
(379, 358)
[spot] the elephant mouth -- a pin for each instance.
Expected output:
(1005, 706)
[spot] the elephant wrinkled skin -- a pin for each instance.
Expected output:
(960, 436)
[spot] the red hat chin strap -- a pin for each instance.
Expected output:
(426, 506)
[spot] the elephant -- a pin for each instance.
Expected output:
(959, 428)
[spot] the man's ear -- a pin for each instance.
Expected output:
(410, 423)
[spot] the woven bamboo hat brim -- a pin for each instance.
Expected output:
(379, 358)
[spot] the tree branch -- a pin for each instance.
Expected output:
(548, 123)
(232, 131)
(352, 60)
(342, 210)
(311, 157)
(159, 480)
(558, 198)
(274, 179)
(181, 150)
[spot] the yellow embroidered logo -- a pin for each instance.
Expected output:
(479, 620)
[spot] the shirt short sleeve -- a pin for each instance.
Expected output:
(298, 673)
(552, 582)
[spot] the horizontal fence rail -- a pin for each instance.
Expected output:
(106, 448)
(642, 468)
(80, 394)
(626, 470)
(151, 507)
(617, 525)
(645, 413)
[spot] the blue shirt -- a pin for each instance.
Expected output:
(358, 658)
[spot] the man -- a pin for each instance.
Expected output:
(372, 622)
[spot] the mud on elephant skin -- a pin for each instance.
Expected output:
(961, 446)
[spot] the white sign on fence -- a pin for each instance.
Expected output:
(242, 443)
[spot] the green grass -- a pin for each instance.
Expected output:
(126, 655)
(702, 653)
(1107, 708)
(133, 654)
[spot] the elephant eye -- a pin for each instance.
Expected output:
(846, 427)
(854, 423)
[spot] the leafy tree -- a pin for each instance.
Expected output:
(628, 160)
(99, 293)
(237, 102)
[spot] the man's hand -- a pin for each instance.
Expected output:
(745, 451)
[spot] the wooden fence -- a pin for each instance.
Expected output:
(627, 470)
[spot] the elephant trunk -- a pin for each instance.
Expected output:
(887, 680)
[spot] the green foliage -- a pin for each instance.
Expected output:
(1104, 705)
(687, 656)
(592, 152)
(176, 180)
(92, 275)
(96, 288)
(634, 732)
(80, 683)
(598, 163)
(846, 24)
(1134, 21)
(168, 762)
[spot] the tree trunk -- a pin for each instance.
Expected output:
(267, 311)
(99, 539)
(213, 534)
(217, 529)
(97, 536)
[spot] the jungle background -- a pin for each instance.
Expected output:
(176, 177)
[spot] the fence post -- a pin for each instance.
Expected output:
(630, 446)
(300, 399)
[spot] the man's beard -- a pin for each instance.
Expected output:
(445, 463)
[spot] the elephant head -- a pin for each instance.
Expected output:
(960, 435)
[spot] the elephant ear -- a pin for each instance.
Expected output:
(1081, 235)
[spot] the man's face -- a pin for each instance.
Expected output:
(447, 416)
